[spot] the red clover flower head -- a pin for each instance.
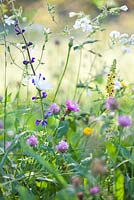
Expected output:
(124, 120)
(94, 190)
(72, 106)
(32, 141)
(62, 146)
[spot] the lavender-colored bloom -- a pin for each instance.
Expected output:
(54, 108)
(94, 190)
(111, 103)
(32, 141)
(72, 106)
(62, 146)
(1, 124)
(8, 144)
(48, 114)
(124, 121)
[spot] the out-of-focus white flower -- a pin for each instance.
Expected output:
(124, 38)
(72, 14)
(84, 23)
(125, 49)
(124, 8)
(114, 34)
(47, 30)
(131, 39)
(40, 82)
(117, 85)
(89, 93)
(9, 20)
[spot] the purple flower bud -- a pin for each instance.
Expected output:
(44, 123)
(33, 98)
(111, 103)
(25, 62)
(62, 146)
(124, 121)
(24, 47)
(54, 108)
(32, 141)
(37, 122)
(1, 124)
(29, 44)
(48, 114)
(72, 106)
(44, 95)
(94, 190)
(32, 60)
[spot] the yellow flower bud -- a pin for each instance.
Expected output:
(88, 131)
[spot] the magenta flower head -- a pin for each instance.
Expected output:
(94, 190)
(124, 120)
(54, 108)
(111, 103)
(72, 106)
(1, 124)
(32, 141)
(62, 146)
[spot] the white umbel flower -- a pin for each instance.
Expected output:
(124, 8)
(40, 82)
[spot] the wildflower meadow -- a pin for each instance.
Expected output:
(64, 134)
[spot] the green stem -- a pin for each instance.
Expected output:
(65, 68)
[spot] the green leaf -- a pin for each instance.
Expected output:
(24, 193)
(63, 129)
(119, 185)
(111, 150)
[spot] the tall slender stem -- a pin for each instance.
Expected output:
(65, 68)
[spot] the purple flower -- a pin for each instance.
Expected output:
(54, 108)
(44, 95)
(1, 124)
(25, 62)
(124, 121)
(32, 141)
(72, 106)
(62, 146)
(37, 122)
(94, 190)
(111, 103)
(48, 114)
(44, 123)
(32, 60)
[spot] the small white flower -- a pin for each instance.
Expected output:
(125, 49)
(47, 30)
(124, 38)
(9, 20)
(124, 8)
(114, 34)
(117, 85)
(40, 82)
(77, 24)
(72, 14)
(131, 39)
(89, 93)
(84, 23)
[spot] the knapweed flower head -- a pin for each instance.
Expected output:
(54, 108)
(40, 82)
(72, 106)
(124, 120)
(62, 146)
(111, 103)
(32, 141)
(88, 131)
(94, 190)
(124, 8)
